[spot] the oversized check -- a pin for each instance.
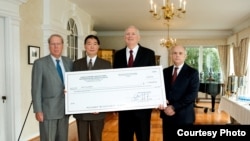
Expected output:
(114, 89)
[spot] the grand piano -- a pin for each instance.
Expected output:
(212, 88)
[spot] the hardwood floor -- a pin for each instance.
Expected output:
(215, 118)
(110, 129)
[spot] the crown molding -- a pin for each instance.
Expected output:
(180, 34)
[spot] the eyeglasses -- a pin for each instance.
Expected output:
(55, 44)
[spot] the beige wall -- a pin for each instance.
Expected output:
(117, 42)
(31, 34)
(36, 26)
(37, 23)
(237, 37)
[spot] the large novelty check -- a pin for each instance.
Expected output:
(114, 89)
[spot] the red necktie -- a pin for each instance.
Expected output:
(130, 60)
(175, 74)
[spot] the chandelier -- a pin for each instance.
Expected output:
(168, 42)
(168, 10)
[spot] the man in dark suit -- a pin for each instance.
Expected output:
(180, 93)
(48, 92)
(134, 121)
(90, 125)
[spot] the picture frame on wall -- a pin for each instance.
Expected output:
(33, 54)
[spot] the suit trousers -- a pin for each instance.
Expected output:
(131, 124)
(54, 129)
(90, 130)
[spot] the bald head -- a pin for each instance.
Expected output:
(131, 36)
(179, 47)
(178, 54)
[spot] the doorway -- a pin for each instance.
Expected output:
(3, 126)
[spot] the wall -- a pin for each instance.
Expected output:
(31, 34)
(40, 19)
(243, 34)
(235, 39)
(115, 40)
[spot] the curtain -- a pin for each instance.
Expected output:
(240, 56)
(241, 63)
(224, 54)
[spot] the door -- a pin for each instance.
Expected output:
(3, 104)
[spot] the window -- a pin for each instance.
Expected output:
(206, 60)
(72, 38)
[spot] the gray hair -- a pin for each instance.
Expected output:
(132, 26)
(55, 35)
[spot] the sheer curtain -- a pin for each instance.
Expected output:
(224, 54)
(241, 62)
(241, 57)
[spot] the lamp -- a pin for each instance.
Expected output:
(168, 42)
(168, 10)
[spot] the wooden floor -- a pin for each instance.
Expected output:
(110, 129)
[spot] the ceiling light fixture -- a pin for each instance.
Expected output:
(168, 42)
(168, 10)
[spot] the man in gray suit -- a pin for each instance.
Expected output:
(47, 90)
(90, 125)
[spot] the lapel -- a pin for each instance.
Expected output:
(169, 75)
(66, 68)
(171, 72)
(96, 63)
(181, 74)
(82, 64)
(123, 58)
(52, 68)
(139, 55)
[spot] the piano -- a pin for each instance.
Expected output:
(212, 88)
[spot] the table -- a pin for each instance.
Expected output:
(211, 88)
(237, 109)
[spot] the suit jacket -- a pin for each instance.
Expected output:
(144, 57)
(181, 94)
(81, 65)
(47, 88)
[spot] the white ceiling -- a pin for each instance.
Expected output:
(202, 15)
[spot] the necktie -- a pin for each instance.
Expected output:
(174, 75)
(90, 64)
(130, 60)
(59, 69)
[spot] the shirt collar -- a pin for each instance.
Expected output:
(93, 59)
(135, 49)
(179, 67)
(54, 58)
